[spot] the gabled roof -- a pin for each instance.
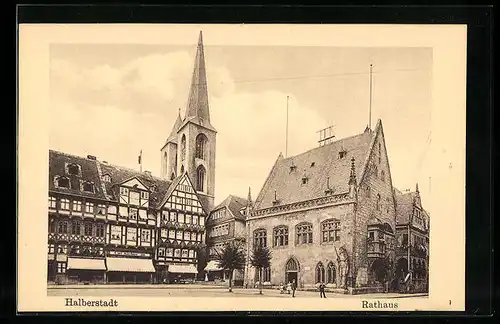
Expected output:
(89, 172)
(234, 204)
(316, 165)
(197, 107)
(404, 206)
(121, 174)
(92, 170)
(405, 203)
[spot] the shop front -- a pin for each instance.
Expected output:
(182, 273)
(86, 270)
(129, 270)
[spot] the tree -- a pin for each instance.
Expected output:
(232, 257)
(202, 257)
(261, 259)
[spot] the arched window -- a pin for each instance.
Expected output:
(183, 147)
(382, 175)
(201, 143)
(378, 202)
(182, 169)
(332, 273)
(304, 233)
(379, 152)
(62, 182)
(260, 237)
(280, 234)
(320, 272)
(330, 230)
(291, 265)
(200, 178)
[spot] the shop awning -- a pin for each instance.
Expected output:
(212, 265)
(184, 268)
(130, 265)
(86, 264)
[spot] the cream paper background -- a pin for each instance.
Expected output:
(447, 204)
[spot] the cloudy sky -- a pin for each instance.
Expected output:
(113, 100)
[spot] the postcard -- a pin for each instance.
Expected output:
(241, 167)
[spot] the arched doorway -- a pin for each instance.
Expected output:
(401, 272)
(291, 270)
(378, 271)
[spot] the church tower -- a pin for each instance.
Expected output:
(193, 138)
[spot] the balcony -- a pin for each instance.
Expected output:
(376, 248)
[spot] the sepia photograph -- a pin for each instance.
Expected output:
(226, 163)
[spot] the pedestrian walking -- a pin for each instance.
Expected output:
(322, 290)
(294, 287)
(289, 288)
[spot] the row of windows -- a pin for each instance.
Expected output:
(330, 230)
(77, 228)
(219, 230)
(181, 235)
(176, 253)
(173, 216)
(136, 198)
(221, 213)
(75, 205)
(76, 249)
(116, 234)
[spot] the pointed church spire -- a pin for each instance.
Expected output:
(175, 128)
(197, 107)
(249, 197)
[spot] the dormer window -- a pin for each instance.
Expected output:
(88, 187)
(305, 179)
(293, 168)
(342, 154)
(106, 178)
(154, 188)
(62, 182)
(313, 164)
(73, 169)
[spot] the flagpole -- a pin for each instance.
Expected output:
(286, 138)
(140, 161)
(370, 112)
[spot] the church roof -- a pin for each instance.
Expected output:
(172, 138)
(234, 204)
(197, 107)
(316, 165)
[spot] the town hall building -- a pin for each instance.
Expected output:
(328, 215)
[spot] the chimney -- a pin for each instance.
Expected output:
(148, 173)
(91, 157)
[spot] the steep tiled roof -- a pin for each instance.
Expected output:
(317, 165)
(92, 170)
(234, 204)
(89, 172)
(404, 206)
(197, 107)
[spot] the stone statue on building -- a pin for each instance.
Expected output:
(343, 261)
